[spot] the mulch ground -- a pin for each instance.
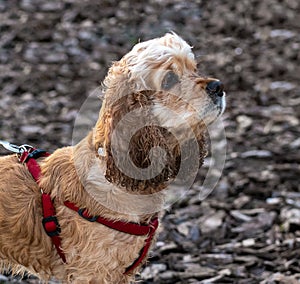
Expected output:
(53, 54)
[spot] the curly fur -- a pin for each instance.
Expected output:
(134, 95)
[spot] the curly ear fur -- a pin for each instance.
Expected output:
(139, 151)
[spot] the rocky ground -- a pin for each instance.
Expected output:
(53, 54)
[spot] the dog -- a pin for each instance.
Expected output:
(154, 104)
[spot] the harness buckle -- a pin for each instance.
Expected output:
(51, 226)
(83, 214)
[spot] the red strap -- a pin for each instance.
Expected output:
(50, 222)
(143, 253)
(29, 157)
(125, 227)
(34, 169)
(51, 225)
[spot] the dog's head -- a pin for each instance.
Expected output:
(154, 101)
(168, 64)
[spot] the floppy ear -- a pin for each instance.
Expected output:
(140, 159)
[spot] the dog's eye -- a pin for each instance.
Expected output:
(170, 80)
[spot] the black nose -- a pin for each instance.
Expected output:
(215, 88)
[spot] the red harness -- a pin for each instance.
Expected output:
(51, 224)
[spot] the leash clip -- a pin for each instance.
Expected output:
(14, 148)
(19, 150)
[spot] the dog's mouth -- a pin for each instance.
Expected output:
(212, 110)
(220, 103)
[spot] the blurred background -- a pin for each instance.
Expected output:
(53, 54)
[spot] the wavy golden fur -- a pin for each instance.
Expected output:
(154, 86)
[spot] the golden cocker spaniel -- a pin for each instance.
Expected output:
(155, 104)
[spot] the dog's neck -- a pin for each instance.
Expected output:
(91, 169)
